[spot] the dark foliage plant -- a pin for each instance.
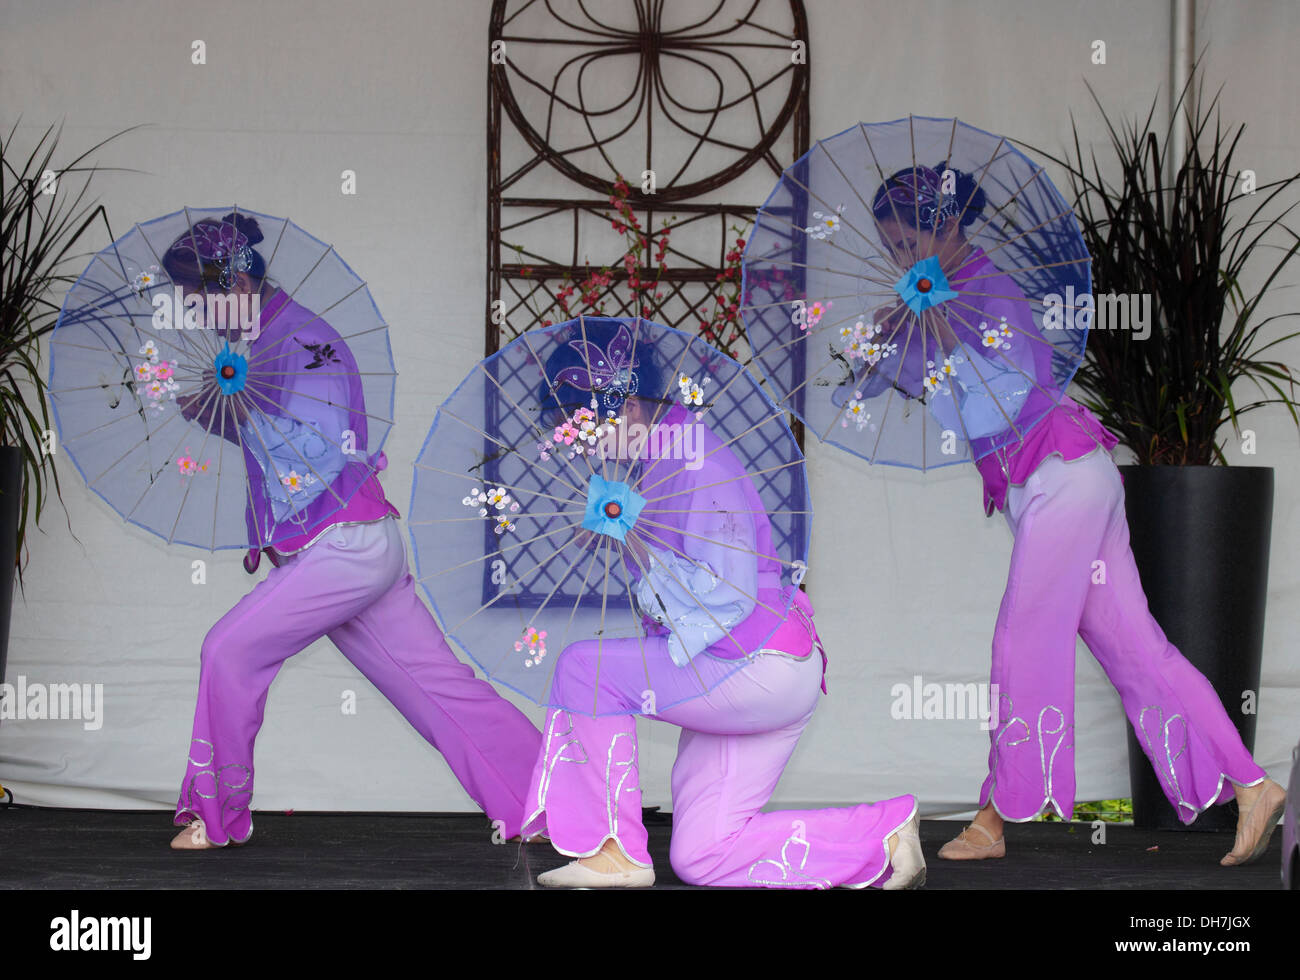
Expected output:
(1186, 233)
(43, 221)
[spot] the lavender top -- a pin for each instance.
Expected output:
(1003, 397)
(305, 380)
(711, 552)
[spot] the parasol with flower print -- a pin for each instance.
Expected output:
(222, 379)
(598, 480)
(931, 284)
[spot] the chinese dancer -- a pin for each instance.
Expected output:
(704, 574)
(984, 371)
(340, 573)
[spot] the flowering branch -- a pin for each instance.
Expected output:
(644, 262)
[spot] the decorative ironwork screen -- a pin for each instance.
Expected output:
(698, 107)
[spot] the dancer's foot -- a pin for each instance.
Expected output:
(906, 859)
(193, 838)
(607, 868)
(577, 875)
(1260, 808)
(610, 859)
(982, 839)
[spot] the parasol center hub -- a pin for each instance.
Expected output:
(228, 371)
(924, 285)
(613, 509)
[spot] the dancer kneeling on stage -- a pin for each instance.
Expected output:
(735, 739)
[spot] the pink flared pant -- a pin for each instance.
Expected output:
(1072, 572)
(735, 742)
(353, 586)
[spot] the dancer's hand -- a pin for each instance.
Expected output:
(188, 405)
(590, 540)
(947, 337)
(638, 549)
(209, 408)
(889, 318)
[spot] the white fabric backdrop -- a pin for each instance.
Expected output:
(296, 92)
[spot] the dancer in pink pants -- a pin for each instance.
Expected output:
(340, 573)
(1072, 571)
(735, 743)
(737, 738)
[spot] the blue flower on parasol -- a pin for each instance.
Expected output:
(949, 235)
(656, 532)
(141, 408)
(612, 507)
(924, 285)
(231, 371)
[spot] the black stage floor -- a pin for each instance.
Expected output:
(114, 849)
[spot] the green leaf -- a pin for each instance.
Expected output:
(39, 236)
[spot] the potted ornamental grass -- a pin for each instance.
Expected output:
(1186, 229)
(45, 217)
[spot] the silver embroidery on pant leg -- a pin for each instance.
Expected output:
(612, 792)
(231, 778)
(792, 875)
(1048, 763)
(234, 801)
(212, 752)
(1169, 772)
(191, 788)
(544, 784)
(1173, 773)
(1005, 708)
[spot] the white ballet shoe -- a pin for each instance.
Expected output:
(194, 837)
(908, 861)
(576, 875)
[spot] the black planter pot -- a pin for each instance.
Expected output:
(11, 485)
(1200, 536)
